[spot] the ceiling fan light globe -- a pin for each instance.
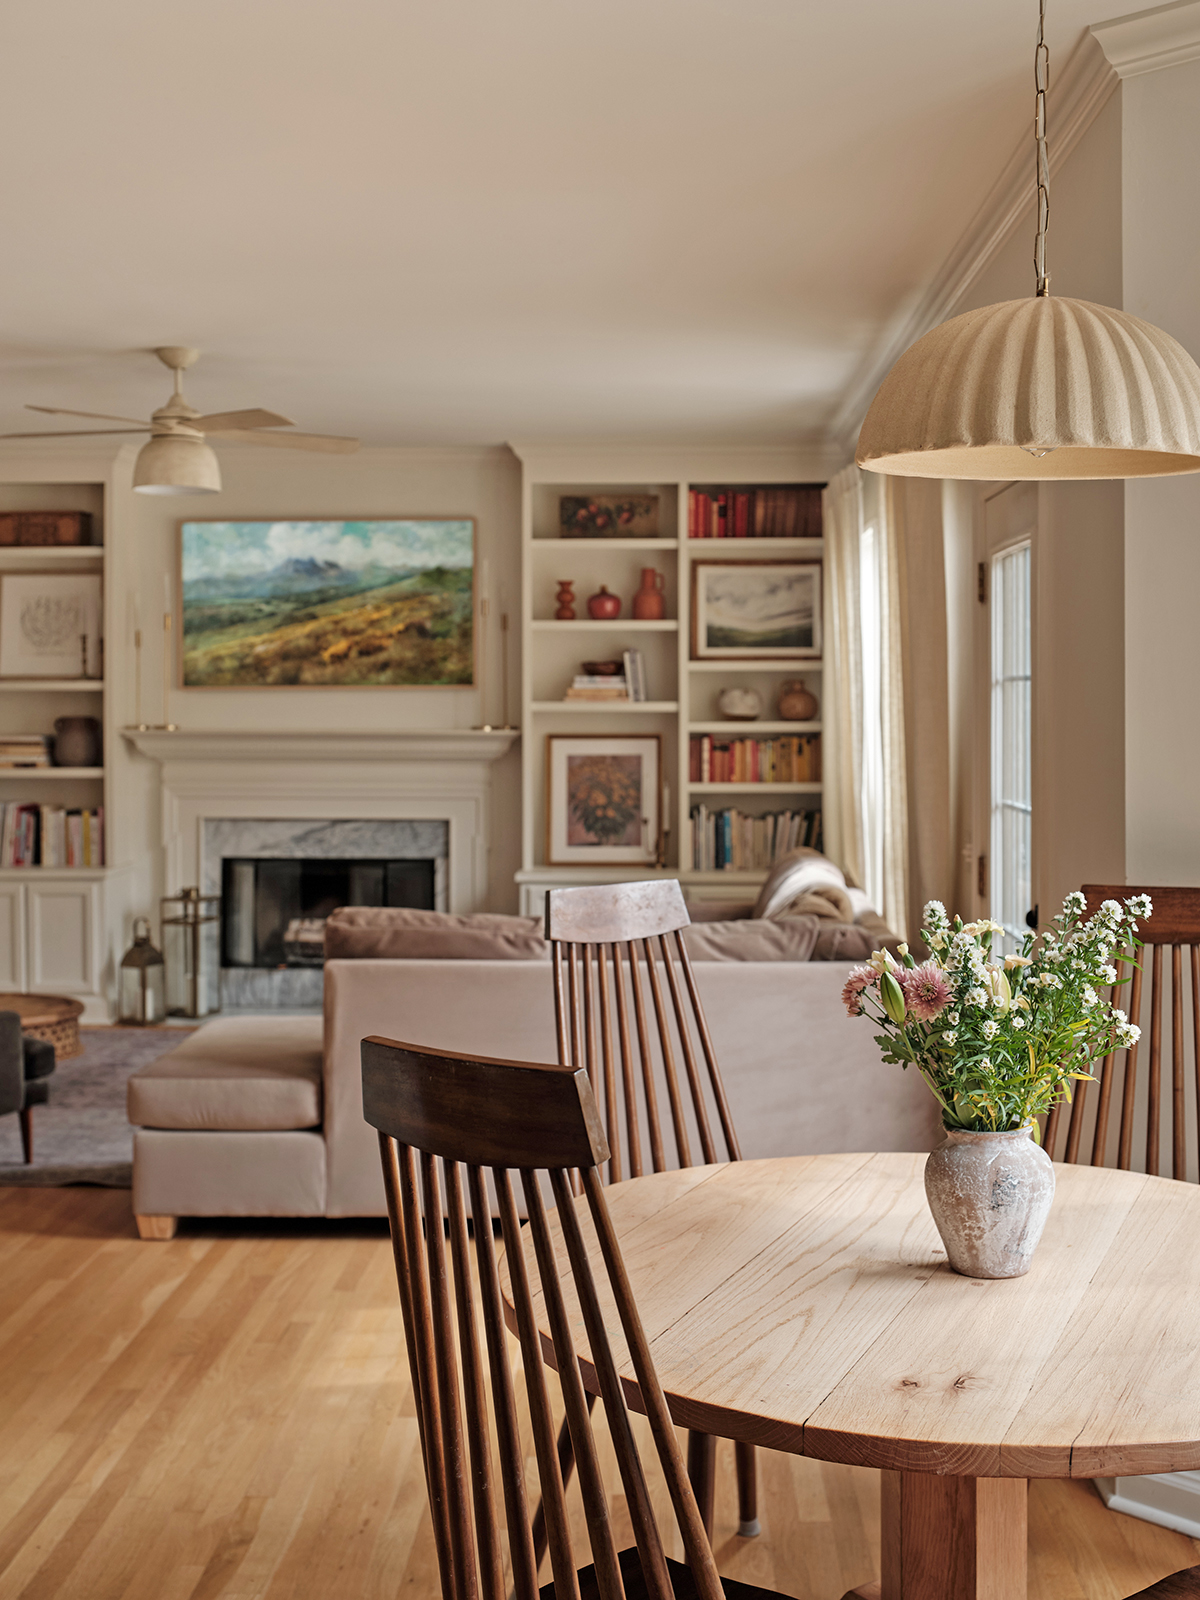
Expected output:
(1045, 388)
(175, 464)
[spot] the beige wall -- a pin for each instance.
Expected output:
(1079, 574)
(1162, 517)
(483, 483)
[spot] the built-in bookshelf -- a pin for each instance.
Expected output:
(58, 921)
(682, 692)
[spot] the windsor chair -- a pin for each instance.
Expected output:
(1129, 1114)
(609, 944)
(447, 1123)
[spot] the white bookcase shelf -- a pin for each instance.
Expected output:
(62, 928)
(686, 690)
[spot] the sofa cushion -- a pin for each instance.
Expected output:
(395, 933)
(235, 1074)
(753, 940)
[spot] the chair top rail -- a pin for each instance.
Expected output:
(1176, 915)
(481, 1110)
(612, 913)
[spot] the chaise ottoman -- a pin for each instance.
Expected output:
(228, 1124)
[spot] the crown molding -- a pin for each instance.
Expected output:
(1080, 92)
(1145, 41)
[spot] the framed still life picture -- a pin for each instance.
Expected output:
(608, 516)
(50, 625)
(752, 610)
(603, 799)
(344, 604)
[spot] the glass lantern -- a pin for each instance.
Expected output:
(189, 921)
(143, 1000)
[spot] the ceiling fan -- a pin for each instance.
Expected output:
(178, 460)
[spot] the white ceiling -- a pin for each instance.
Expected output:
(465, 221)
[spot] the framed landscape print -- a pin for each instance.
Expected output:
(603, 799)
(756, 610)
(312, 604)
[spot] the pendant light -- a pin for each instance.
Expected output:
(1039, 388)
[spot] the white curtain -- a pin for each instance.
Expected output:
(866, 780)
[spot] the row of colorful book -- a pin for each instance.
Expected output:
(790, 758)
(735, 841)
(787, 512)
(50, 836)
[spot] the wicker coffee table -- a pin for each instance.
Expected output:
(52, 1017)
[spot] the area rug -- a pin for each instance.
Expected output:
(83, 1135)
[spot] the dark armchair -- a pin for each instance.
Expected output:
(25, 1066)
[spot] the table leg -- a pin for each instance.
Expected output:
(948, 1538)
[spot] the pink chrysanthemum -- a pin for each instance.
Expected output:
(926, 990)
(861, 978)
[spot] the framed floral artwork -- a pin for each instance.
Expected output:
(603, 799)
(756, 610)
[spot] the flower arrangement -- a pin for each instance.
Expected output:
(999, 1039)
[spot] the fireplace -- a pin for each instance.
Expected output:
(273, 908)
(279, 878)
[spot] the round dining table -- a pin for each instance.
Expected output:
(805, 1304)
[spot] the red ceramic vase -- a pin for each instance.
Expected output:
(604, 607)
(648, 602)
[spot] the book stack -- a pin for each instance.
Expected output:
(791, 758)
(627, 685)
(24, 750)
(50, 836)
(733, 841)
(786, 511)
(584, 686)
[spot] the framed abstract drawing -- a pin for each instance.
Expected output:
(756, 610)
(345, 604)
(603, 799)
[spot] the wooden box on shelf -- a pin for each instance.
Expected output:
(45, 529)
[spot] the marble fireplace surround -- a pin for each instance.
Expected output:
(425, 776)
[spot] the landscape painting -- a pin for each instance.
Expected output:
(752, 610)
(346, 604)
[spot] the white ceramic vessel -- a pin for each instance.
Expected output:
(990, 1194)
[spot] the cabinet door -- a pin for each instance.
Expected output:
(12, 937)
(63, 947)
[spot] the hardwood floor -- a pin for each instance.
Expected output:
(227, 1417)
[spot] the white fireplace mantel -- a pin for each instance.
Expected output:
(415, 775)
(423, 744)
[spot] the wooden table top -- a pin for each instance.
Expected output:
(806, 1304)
(39, 1009)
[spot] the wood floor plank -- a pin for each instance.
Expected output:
(228, 1417)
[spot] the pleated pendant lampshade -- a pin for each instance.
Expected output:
(1047, 387)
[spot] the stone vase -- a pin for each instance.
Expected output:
(990, 1194)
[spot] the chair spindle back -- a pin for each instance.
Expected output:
(1124, 1118)
(628, 1011)
(449, 1121)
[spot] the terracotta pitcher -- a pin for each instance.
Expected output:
(648, 602)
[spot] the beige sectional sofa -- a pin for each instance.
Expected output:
(262, 1116)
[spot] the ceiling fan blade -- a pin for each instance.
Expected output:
(240, 419)
(100, 416)
(287, 441)
(75, 433)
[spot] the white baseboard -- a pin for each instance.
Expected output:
(1171, 1499)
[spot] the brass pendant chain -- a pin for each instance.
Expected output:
(1041, 79)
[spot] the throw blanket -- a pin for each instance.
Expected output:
(806, 883)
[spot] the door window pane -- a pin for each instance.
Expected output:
(1011, 894)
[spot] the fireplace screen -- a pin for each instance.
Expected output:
(273, 911)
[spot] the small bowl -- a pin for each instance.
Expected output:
(604, 669)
